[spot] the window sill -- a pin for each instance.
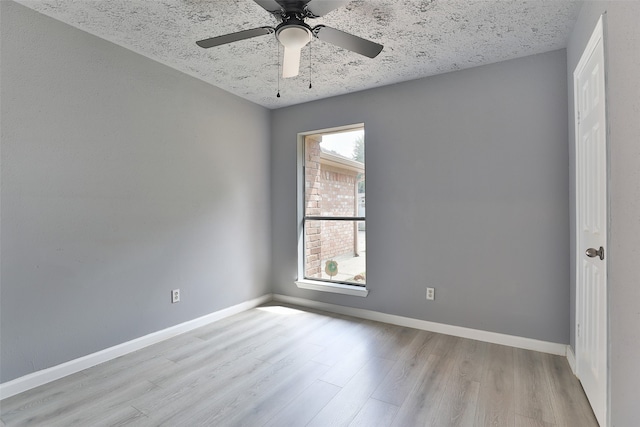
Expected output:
(336, 288)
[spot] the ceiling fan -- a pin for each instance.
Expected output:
(293, 33)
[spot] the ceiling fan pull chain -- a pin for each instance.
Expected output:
(278, 70)
(310, 44)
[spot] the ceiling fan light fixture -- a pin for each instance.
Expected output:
(294, 36)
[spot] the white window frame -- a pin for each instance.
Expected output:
(302, 282)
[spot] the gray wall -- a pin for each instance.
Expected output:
(622, 41)
(121, 179)
(467, 188)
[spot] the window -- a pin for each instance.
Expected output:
(333, 232)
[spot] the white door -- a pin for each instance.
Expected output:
(591, 225)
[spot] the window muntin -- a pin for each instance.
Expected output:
(334, 208)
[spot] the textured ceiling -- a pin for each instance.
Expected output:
(420, 38)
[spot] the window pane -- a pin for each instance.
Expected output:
(334, 174)
(335, 250)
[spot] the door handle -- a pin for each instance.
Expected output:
(592, 252)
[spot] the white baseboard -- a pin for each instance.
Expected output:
(458, 331)
(44, 376)
(571, 358)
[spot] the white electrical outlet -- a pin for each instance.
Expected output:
(431, 294)
(175, 296)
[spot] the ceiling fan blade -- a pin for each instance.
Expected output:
(347, 41)
(319, 8)
(271, 6)
(291, 62)
(234, 37)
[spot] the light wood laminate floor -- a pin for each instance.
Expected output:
(279, 365)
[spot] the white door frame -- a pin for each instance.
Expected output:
(596, 38)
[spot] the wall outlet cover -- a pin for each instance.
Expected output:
(175, 296)
(431, 294)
